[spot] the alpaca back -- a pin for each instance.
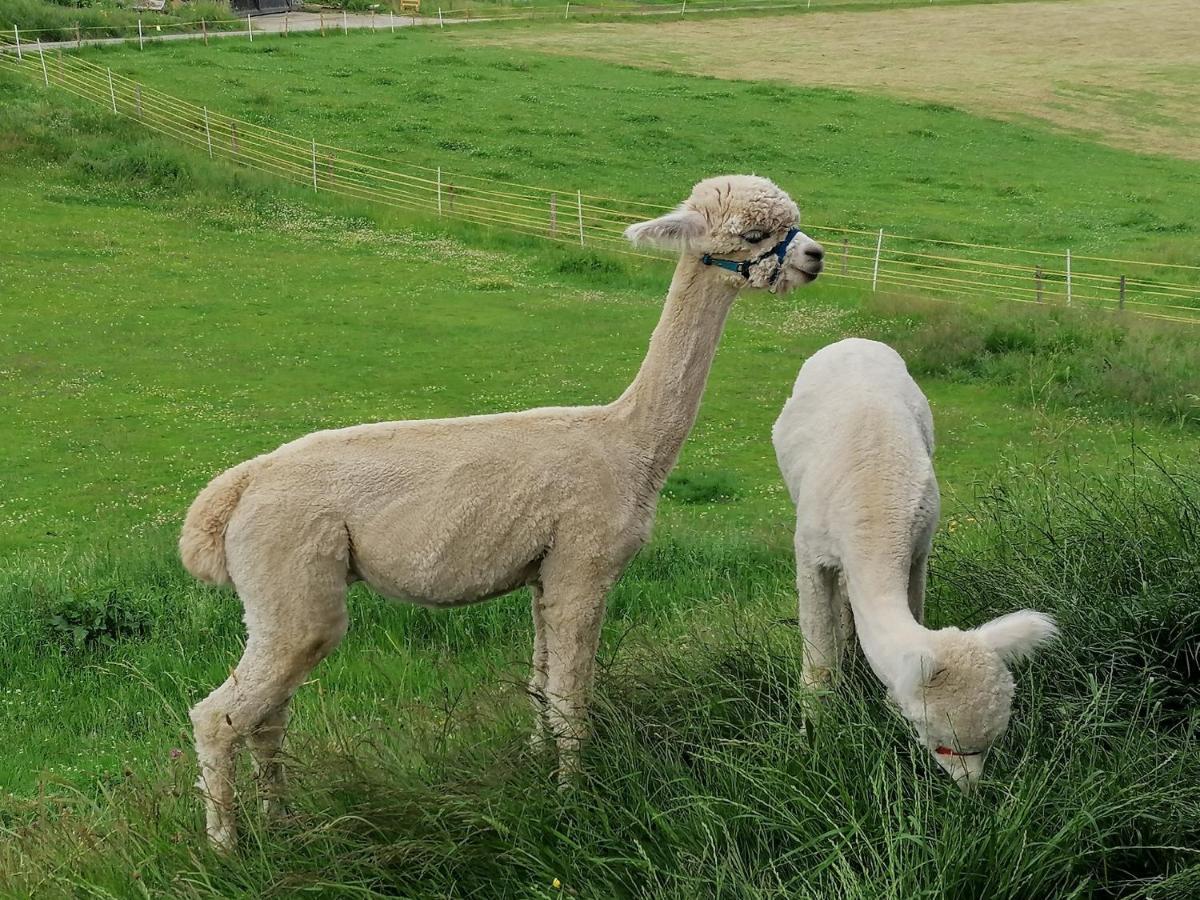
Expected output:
(855, 444)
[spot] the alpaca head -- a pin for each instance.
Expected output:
(744, 228)
(957, 690)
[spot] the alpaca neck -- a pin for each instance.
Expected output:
(887, 631)
(661, 404)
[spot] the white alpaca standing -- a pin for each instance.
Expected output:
(855, 446)
(454, 511)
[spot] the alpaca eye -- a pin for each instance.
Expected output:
(754, 237)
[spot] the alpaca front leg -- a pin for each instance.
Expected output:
(572, 621)
(538, 673)
(916, 587)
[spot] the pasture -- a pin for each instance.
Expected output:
(164, 317)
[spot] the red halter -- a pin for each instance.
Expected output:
(942, 750)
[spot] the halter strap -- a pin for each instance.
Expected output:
(942, 750)
(742, 266)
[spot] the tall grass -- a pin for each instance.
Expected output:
(1128, 364)
(38, 19)
(702, 779)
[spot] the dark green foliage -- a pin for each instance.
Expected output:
(701, 487)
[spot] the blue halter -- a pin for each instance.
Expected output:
(742, 266)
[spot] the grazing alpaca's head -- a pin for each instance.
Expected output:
(957, 690)
(745, 228)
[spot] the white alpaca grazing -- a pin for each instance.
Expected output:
(454, 511)
(855, 445)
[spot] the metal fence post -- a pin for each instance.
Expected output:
(553, 215)
(249, 29)
(579, 201)
(314, 161)
(878, 251)
(1037, 282)
(439, 189)
(17, 35)
(112, 93)
(1068, 277)
(1121, 296)
(845, 256)
(207, 133)
(46, 78)
(137, 99)
(141, 40)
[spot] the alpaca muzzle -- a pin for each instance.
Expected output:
(743, 266)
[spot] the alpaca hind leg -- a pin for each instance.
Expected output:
(265, 744)
(815, 614)
(916, 587)
(295, 617)
(538, 673)
(572, 616)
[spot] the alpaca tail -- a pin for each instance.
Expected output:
(202, 542)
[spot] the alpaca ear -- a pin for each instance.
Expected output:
(1017, 635)
(677, 230)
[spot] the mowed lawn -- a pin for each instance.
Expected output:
(153, 339)
(1051, 62)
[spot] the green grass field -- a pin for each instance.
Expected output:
(164, 317)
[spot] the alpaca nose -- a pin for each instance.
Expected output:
(815, 252)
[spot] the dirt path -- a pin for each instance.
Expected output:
(1125, 72)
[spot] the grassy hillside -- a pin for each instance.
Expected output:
(163, 317)
(853, 160)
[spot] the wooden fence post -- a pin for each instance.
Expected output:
(233, 144)
(845, 256)
(1121, 296)
(1037, 282)
(204, 30)
(78, 36)
(314, 161)
(553, 215)
(322, 24)
(439, 189)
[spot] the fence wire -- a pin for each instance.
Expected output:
(946, 268)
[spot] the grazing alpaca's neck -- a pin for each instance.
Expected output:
(887, 631)
(661, 404)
